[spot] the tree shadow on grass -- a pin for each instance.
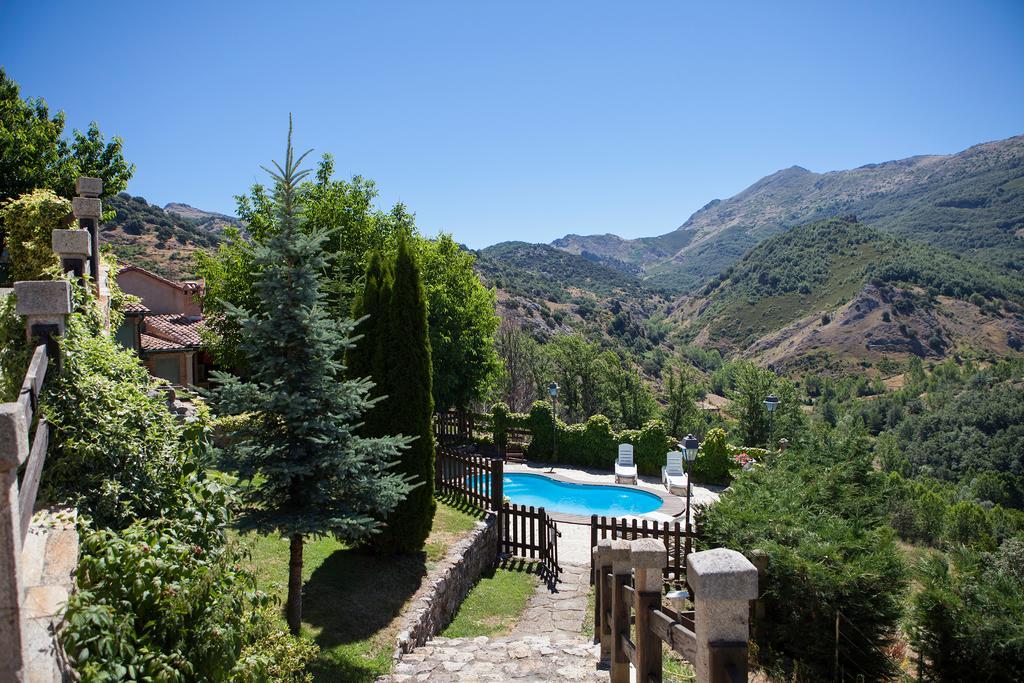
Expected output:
(351, 597)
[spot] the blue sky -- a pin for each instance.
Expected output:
(518, 120)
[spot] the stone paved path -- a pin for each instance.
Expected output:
(546, 645)
(557, 614)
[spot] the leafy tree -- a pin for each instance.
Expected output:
(681, 413)
(525, 370)
(30, 219)
(755, 428)
(578, 368)
(303, 469)
(462, 324)
(626, 396)
(34, 154)
(228, 274)
(966, 524)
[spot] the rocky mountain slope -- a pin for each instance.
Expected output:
(210, 221)
(145, 235)
(972, 202)
(836, 293)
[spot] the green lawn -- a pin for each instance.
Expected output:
(351, 598)
(493, 607)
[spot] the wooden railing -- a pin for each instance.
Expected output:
(678, 542)
(475, 478)
(21, 450)
(528, 533)
(632, 622)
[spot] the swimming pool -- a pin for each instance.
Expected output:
(577, 499)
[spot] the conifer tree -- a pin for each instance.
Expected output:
(408, 406)
(303, 470)
(366, 359)
(395, 354)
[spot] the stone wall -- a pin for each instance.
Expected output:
(444, 589)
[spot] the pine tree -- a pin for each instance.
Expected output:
(408, 406)
(304, 471)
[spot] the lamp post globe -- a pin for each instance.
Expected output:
(689, 447)
(770, 404)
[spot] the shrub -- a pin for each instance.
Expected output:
(166, 600)
(713, 460)
(967, 621)
(593, 443)
(816, 513)
(30, 221)
(116, 451)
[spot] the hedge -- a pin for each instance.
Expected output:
(595, 444)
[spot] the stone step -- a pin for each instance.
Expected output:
(531, 658)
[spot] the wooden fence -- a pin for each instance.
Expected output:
(632, 622)
(476, 478)
(678, 542)
(17, 501)
(528, 533)
(458, 426)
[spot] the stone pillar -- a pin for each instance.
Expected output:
(622, 571)
(602, 567)
(649, 559)
(13, 451)
(88, 209)
(45, 304)
(74, 248)
(724, 582)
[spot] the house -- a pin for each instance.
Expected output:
(164, 327)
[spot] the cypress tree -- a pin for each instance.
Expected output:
(303, 470)
(367, 358)
(410, 404)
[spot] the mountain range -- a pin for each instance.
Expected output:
(921, 256)
(970, 202)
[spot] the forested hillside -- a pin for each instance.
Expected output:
(842, 288)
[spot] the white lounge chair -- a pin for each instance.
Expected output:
(672, 474)
(625, 470)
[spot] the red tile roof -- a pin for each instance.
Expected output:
(180, 331)
(135, 307)
(151, 343)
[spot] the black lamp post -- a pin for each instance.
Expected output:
(553, 390)
(689, 447)
(770, 404)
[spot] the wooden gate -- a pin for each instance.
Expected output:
(528, 533)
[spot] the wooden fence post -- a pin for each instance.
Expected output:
(622, 571)
(13, 451)
(497, 483)
(724, 582)
(649, 558)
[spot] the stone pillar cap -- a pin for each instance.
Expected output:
(43, 297)
(72, 242)
(89, 187)
(602, 548)
(87, 207)
(619, 556)
(649, 553)
(721, 574)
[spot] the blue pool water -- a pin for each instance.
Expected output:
(577, 499)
